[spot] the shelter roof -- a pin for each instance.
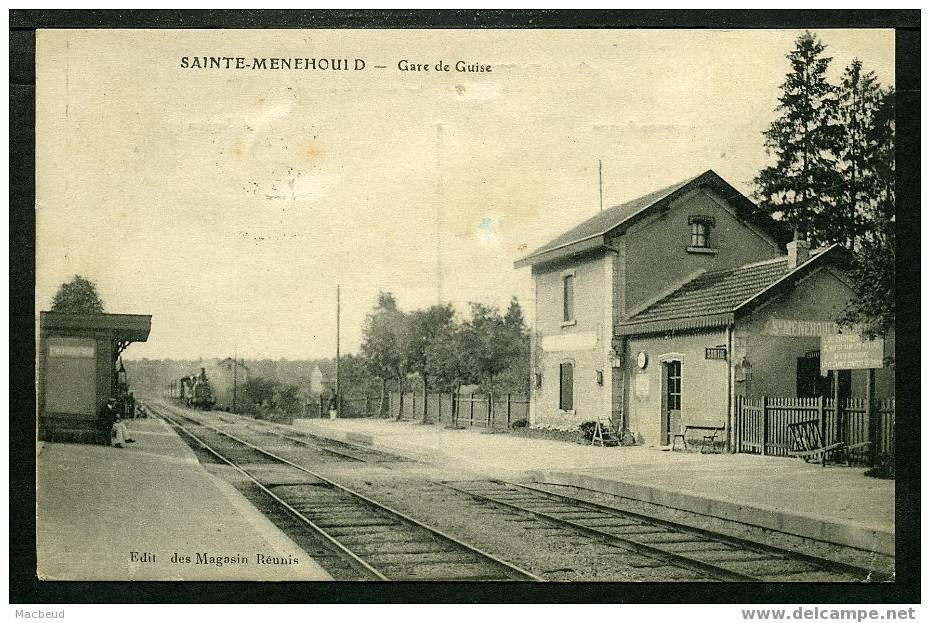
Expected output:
(122, 327)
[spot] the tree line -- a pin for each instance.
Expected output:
(444, 351)
(832, 175)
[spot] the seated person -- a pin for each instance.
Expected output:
(119, 434)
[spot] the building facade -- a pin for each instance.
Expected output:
(658, 313)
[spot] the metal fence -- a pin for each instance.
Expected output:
(761, 424)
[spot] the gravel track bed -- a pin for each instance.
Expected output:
(549, 551)
(868, 560)
(552, 552)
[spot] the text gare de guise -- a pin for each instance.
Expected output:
(459, 66)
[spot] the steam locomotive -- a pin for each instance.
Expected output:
(192, 391)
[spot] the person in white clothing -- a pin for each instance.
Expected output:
(119, 434)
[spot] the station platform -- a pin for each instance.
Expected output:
(833, 504)
(108, 513)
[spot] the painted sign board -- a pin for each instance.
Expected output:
(850, 351)
(569, 342)
(799, 328)
(642, 385)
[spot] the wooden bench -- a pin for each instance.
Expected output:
(806, 442)
(708, 434)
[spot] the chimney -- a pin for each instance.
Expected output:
(798, 252)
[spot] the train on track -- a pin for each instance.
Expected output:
(192, 391)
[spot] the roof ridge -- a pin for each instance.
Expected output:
(669, 189)
(604, 221)
(773, 260)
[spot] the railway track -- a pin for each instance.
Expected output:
(373, 540)
(714, 555)
(631, 538)
(338, 449)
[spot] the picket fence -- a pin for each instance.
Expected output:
(761, 425)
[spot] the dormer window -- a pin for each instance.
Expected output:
(698, 234)
(701, 227)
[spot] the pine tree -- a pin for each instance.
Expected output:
(834, 173)
(859, 99)
(872, 268)
(798, 186)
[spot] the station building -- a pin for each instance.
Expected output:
(78, 372)
(660, 312)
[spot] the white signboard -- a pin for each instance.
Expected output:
(569, 342)
(849, 351)
(642, 385)
(71, 349)
(799, 328)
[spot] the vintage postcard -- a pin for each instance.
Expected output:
(466, 305)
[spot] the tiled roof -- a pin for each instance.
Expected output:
(715, 292)
(718, 292)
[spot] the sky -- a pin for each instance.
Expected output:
(229, 204)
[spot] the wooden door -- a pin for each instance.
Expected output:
(672, 400)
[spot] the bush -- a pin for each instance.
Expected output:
(884, 468)
(521, 423)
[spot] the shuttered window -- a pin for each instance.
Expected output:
(566, 386)
(568, 298)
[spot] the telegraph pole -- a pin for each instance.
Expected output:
(235, 376)
(600, 181)
(338, 361)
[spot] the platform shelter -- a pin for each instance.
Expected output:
(77, 371)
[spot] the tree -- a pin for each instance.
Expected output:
(513, 319)
(802, 140)
(487, 347)
(384, 343)
(78, 296)
(859, 100)
(872, 268)
(286, 398)
(425, 327)
(259, 390)
(516, 376)
(447, 362)
(833, 178)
